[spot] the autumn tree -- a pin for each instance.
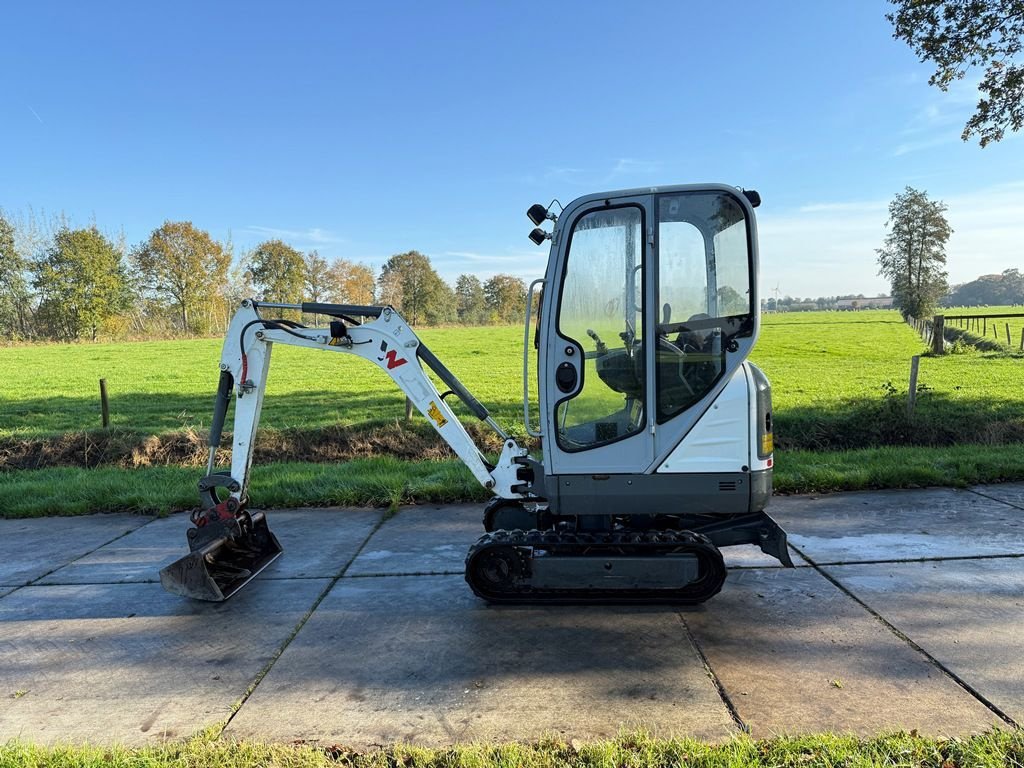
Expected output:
(422, 296)
(185, 266)
(350, 283)
(316, 274)
(913, 257)
(961, 35)
(506, 297)
(15, 293)
(82, 282)
(278, 271)
(471, 303)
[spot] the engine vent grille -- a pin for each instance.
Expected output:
(726, 485)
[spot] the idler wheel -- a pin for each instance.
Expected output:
(498, 568)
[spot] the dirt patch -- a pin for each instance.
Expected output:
(188, 448)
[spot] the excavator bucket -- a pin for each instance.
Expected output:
(217, 567)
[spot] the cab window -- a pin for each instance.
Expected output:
(703, 290)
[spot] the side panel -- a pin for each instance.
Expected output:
(720, 441)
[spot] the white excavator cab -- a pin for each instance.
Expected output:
(655, 431)
(648, 315)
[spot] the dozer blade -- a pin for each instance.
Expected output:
(220, 567)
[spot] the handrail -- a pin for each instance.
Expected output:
(526, 360)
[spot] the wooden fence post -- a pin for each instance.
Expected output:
(938, 337)
(104, 405)
(1008, 342)
(1022, 339)
(912, 392)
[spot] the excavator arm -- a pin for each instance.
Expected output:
(228, 544)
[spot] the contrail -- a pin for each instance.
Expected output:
(36, 114)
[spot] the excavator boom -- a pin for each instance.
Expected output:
(228, 544)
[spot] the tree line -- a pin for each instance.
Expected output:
(1006, 288)
(70, 283)
(796, 304)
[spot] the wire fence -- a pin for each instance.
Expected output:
(1004, 329)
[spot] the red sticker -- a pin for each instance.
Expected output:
(394, 360)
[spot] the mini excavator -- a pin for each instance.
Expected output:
(656, 430)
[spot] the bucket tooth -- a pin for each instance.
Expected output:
(217, 569)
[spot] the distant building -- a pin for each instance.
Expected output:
(879, 302)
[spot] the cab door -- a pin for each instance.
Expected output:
(593, 387)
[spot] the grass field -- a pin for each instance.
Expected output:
(826, 368)
(997, 749)
(995, 329)
(840, 383)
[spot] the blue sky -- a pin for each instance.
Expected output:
(366, 130)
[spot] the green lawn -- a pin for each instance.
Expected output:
(840, 384)
(823, 366)
(840, 380)
(161, 386)
(997, 749)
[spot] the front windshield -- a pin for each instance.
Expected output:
(601, 310)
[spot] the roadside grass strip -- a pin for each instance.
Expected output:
(387, 482)
(637, 750)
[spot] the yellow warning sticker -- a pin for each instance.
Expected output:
(435, 413)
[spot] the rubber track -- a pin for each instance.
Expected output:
(601, 547)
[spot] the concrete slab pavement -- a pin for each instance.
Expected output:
(794, 654)
(1010, 493)
(318, 544)
(968, 614)
(130, 663)
(899, 525)
(393, 655)
(428, 539)
(421, 660)
(32, 548)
